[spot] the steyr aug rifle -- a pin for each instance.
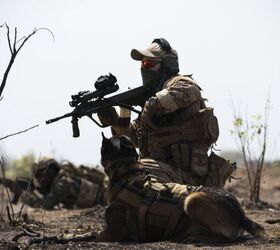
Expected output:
(86, 103)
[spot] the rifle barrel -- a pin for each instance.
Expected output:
(132, 97)
(59, 117)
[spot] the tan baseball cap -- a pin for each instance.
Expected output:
(153, 51)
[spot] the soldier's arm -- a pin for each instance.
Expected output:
(110, 117)
(130, 131)
(179, 94)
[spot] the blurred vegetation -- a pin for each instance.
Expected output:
(20, 167)
(275, 163)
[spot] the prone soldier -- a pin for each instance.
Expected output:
(55, 185)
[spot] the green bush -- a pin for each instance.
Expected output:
(21, 167)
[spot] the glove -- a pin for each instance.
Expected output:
(108, 116)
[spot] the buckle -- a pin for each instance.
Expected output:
(167, 196)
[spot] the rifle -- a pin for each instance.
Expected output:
(86, 103)
(17, 186)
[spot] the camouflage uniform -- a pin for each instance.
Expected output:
(175, 126)
(72, 187)
(177, 139)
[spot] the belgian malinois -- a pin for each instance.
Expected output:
(144, 208)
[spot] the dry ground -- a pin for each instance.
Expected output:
(67, 222)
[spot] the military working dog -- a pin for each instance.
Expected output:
(143, 207)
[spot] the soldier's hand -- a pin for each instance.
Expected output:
(108, 116)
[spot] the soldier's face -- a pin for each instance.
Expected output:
(151, 64)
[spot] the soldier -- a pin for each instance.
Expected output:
(64, 184)
(175, 126)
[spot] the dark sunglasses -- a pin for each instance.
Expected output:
(148, 64)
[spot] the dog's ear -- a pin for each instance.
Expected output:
(105, 141)
(106, 149)
(106, 144)
(103, 136)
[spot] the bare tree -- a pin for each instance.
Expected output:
(19, 132)
(10, 206)
(15, 45)
(251, 138)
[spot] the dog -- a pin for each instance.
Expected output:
(143, 207)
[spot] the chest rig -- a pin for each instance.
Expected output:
(183, 137)
(155, 207)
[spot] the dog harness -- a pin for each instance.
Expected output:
(155, 206)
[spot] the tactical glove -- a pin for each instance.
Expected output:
(108, 116)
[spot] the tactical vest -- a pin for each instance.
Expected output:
(155, 208)
(195, 124)
(178, 139)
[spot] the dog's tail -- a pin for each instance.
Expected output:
(233, 206)
(253, 228)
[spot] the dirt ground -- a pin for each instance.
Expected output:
(76, 222)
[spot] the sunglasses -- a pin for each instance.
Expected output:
(148, 64)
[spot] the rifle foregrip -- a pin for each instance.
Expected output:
(75, 127)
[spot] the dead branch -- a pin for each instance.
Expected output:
(9, 214)
(60, 239)
(14, 49)
(247, 133)
(264, 144)
(27, 190)
(273, 221)
(30, 230)
(2, 164)
(241, 142)
(23, 131)
(26, 231)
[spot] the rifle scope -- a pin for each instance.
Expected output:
(104, 85)
(105, 81)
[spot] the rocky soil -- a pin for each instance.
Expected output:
(72, 223)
